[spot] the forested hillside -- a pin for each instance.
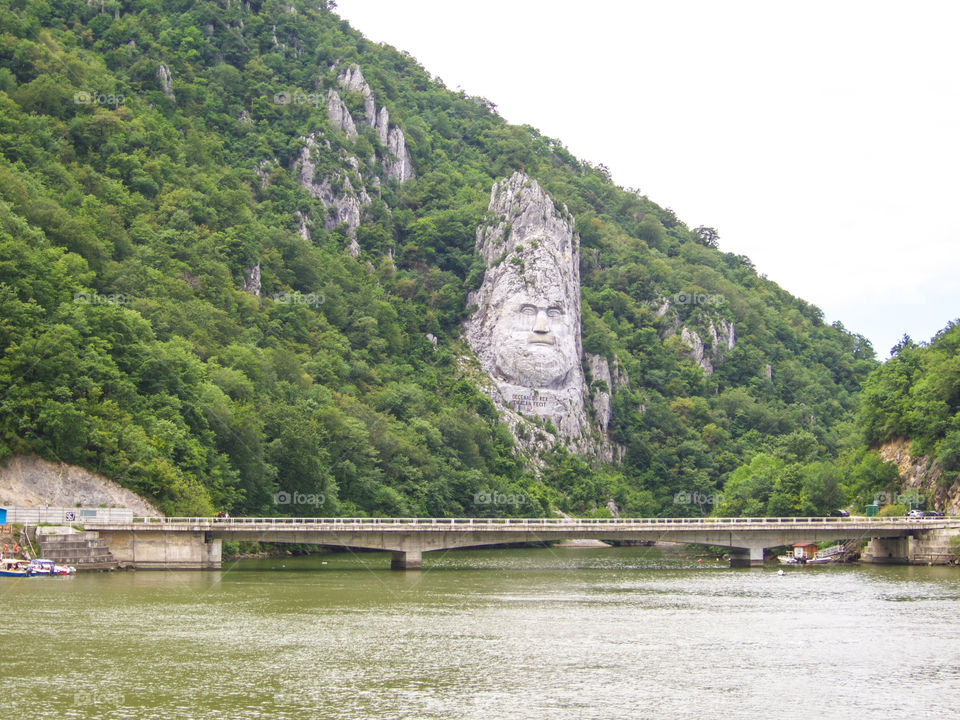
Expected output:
(148, 155)
(916, 396)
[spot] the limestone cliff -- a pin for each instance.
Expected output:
(343, 191)
(706, 347)
(32, 482)
(339, 116)
(722, 339)
(343, 201)
(166, 81)
(525, 329)
(924, 476)
(351, 79)
(604, 380)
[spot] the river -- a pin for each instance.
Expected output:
(539, 634)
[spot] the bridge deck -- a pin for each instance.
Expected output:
(525, 525)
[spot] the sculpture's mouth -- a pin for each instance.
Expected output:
(541, 338)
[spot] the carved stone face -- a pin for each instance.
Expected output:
(534, 340)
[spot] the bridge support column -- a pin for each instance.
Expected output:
(406, 560)
(746, 557)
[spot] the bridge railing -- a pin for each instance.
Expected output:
(519, 522)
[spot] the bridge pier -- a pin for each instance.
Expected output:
(406, 560)
(746, 557)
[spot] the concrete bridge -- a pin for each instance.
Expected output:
(185, 542)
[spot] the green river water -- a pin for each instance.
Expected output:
(523, 634)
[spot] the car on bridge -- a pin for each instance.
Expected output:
(915, 514)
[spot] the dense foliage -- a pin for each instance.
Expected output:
(127, 344)
(916, 395)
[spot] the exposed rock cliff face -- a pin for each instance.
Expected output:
(707, 351)
(397, 164)
(603, 382)
(526, 327)
(166, 81)
(32, 482)
(339, 116)
(352, 80)
(722, 340)
(251, 282)
(345, 204)
(925, 476)
(344, 192)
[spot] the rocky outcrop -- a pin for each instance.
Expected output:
(722, 340)
(397, 164)
(166, 81)
(920, 474)
(31, 482)
(302, 228)
(344, 202)
(339, 116)
(603, 383)
(351, 79)
(525, 329)
(251, 281)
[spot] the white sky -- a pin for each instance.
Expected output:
(821, 139)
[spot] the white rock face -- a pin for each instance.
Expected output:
(526, 328)
(166, 81)
(302, 228)
(251, 282)
(600, 370)
(400, 167)
(352, 80)
(339, 116)
(346, 204)
(724, 340)
(382, 125)
(397, 163)
(28, 481)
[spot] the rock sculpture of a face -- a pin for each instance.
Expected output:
(535, 338)
(526, 326)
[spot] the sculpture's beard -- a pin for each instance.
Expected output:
(532, 365)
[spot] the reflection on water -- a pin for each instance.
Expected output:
(545, 634)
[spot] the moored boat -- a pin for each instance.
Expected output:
(48, 567)
(15, 567)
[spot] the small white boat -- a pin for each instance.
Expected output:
(48, 567)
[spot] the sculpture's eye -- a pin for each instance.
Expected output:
(528, 310)
(554, 312)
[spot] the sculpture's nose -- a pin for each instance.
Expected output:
(541, 325)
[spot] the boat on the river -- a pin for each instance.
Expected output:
(48, 567)
(15, 567)
(808, 553)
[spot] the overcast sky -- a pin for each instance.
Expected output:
(822, 139)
